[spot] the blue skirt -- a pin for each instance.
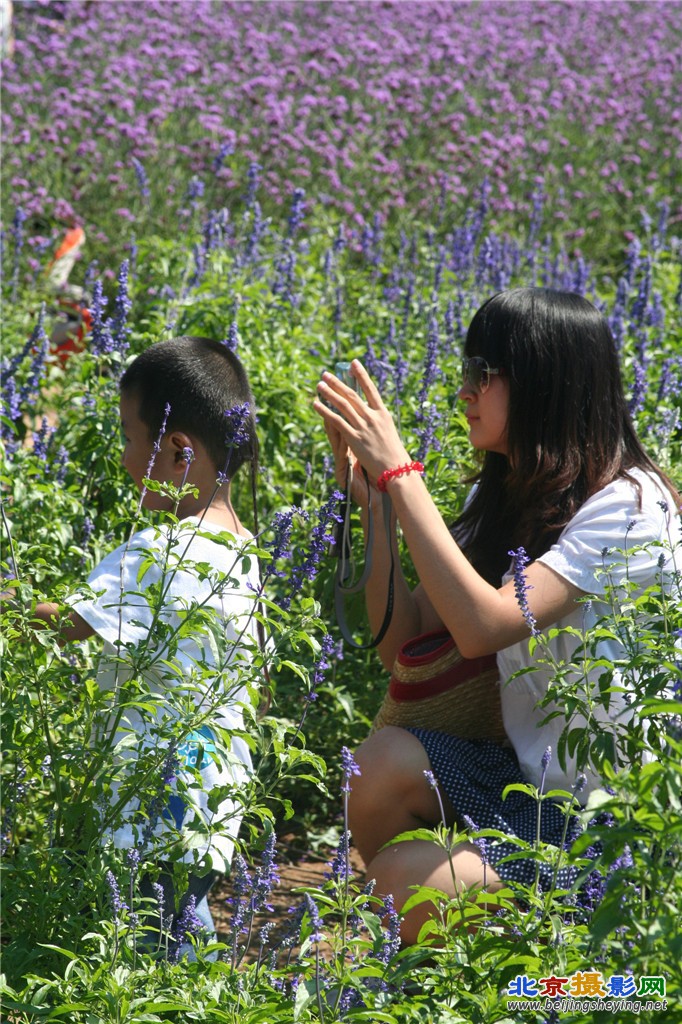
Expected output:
(474, 774)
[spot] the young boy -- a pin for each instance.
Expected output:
(174, 607)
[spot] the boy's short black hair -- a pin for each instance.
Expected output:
(208, 392)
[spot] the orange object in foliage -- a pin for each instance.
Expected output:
(65, 257)
(73, 320)
(70, 330)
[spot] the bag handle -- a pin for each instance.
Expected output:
(344, 566)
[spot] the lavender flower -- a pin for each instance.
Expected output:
(237, 434)
(282, 524)
(122, 307)
(158, 802)
(521, 587)
(283, 285)
(40, 346)
(253, 180)
(17, 232)
(195, 190)
(117, 903)
(293, 932)
(142, 179)
(323, 663)
(19, 790)
(544, 765)
(266, 876)
(314, 918)
(10, 367)
(339, 865)
(187, 925)
(256, 233)
(242, 887)
(579, 784)
(232, 340)
(320, 538)
(348, 768)
(160, 899)
(225, 150)
(101, 341)
(639, 389)
(390, 944)
(238, 426)
(60, 464)
(297, 211)
(199, 254)
(478, 841)
(41, 440)
(156, 447)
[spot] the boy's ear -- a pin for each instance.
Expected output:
(181, 446)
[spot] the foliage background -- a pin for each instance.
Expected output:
(311, 182)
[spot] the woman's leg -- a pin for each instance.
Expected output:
(405, 867)
(390, 796)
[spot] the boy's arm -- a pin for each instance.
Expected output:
(71, 625)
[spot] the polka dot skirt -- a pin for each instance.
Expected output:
(474, 775)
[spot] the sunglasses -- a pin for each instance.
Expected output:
(476, 373)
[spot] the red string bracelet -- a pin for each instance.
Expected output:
(388, 474)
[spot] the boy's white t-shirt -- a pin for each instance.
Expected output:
(153, 582)
(589, 555)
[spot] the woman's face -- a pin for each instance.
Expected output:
(488, 414)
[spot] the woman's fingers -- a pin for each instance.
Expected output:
(366, 426)
(344, 400)
(368, 386)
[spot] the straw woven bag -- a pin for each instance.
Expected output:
(433, 687)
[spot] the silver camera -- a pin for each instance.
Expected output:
(342, 371)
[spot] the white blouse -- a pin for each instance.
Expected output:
(611, 543)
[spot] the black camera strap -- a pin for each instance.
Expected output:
(344, 569)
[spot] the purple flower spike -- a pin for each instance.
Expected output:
(117, 902)
(348, 767)
(315, 919)
(521, 587)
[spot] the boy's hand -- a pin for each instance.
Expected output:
(70, 625)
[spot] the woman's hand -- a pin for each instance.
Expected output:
(364, 427)
(345, 463)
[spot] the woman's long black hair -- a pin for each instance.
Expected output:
(569, 429)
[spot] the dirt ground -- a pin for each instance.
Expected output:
(298, 867)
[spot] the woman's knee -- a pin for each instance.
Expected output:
(390, 762)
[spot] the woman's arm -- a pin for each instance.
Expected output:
(412, 612)
(481, 618)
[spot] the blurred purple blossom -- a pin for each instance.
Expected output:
(521, 587)
(348, 769)
(349, 87)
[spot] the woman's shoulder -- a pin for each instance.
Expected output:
(630, 510)
(626, 526)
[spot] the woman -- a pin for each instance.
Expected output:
(565, 478)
